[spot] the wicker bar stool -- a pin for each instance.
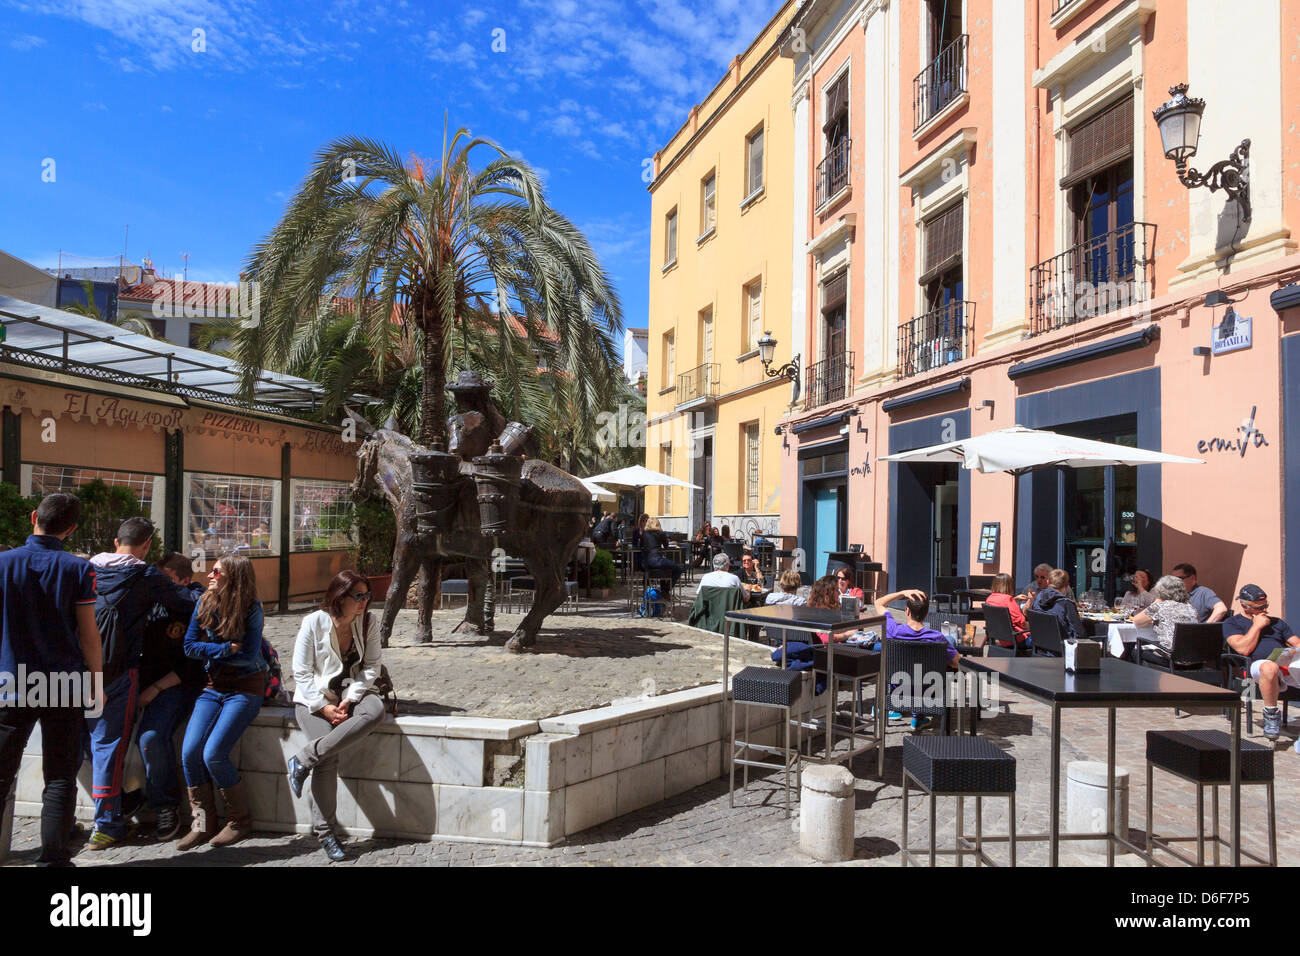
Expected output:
(959, 767)
(766, 687)
(1203, 758)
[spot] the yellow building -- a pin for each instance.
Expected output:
(728, 177)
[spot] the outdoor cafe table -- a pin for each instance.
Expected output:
(1118, 684)
(797, 617)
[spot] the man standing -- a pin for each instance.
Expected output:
(1206, 602)
(127, 589)
(47, 602)
(1254, 634)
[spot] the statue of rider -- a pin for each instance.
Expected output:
(480, 423)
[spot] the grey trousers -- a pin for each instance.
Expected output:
(325, 743)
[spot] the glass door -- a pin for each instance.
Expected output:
(1100, 514)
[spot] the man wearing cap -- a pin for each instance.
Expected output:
(126, 591)
(1206, 602)
(1254, 634)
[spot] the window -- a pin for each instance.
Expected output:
(159, 327)
(41, 480)
(1099, 184)
(670, 239)
(666, 466)
(943, 20)
(836, 126)
(706, 336)
(942, 278)
(751, 451)
(833, 171)
(196, 331)
(834, 297)
(670, 358)
(320, 515)
(708, 203)
(227, 513)
(754, 162)
(753, 314)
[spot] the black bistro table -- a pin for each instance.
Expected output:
(1118, 684)
(811, 620)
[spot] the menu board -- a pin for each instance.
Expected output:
(989, 541)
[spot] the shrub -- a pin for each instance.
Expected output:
(15, 515)
(602, 570)
(103, 509)
(376, 532)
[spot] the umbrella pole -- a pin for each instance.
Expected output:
(1015, 519)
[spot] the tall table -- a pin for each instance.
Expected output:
(811, 620)
(1118, 684)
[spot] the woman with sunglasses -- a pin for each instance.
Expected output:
(335, 666)
(844, 584)
(226, 634)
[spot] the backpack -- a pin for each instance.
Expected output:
(652, 604)
(113, 628)
(275, 693)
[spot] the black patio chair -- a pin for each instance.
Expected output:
(998, 627)
(944, 597)
(1045, 632)
(905, 661)
(1197, 653)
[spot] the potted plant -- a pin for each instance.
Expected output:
(602, 574)
(375, 528)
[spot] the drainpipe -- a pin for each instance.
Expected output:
(1037, 119)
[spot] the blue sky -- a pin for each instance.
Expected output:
(198, 149)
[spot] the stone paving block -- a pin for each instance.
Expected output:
(577, 759)
(491, 813)
(640, 786)
(544, 762)
(430, 759)
(590, 802)
(544, 816)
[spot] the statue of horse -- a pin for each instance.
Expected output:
(550, 516)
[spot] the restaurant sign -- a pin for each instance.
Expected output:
(1231, 335)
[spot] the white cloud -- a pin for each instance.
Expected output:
(26, 42)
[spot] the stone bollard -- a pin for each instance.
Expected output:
(826, 813)
(7, 823)
(1085, 802)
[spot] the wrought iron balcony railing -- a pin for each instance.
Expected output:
(937, 338)
(833, 171)
(939, 83)
(1103, 274)
(699, 382)
(828, 381)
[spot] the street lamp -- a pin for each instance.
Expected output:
(1179, 121)
(767, 351)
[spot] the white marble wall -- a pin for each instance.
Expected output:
(427, 777)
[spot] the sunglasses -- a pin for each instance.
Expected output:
(217, 572)
(360, 596)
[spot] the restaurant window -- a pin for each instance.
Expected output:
(708, 203)
(38, 481)
(753, 314)
(752, 463)
(320, 515)
(666, 466)
(670, 238)
(1099, 515)
(754, 162)
(229, 513)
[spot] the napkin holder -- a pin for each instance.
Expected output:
(849, 604)
(1082, 657)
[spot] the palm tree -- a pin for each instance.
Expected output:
(423, 259)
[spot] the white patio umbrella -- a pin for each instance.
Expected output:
(639, 478)
(1019, 450)
(598, 493)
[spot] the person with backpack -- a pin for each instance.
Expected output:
(170, 684)
(126, 591)
(335, 666)
(226, 634)
(47, 626)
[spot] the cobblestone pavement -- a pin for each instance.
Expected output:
(698, 827)
(580, 661)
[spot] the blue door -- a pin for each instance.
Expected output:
(825, 529)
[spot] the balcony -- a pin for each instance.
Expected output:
(699, 383)
(828, 381)
(939, 83)
(1101, 275)
(940, 337)
(833, 172)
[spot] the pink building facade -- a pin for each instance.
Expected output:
(1017, 249)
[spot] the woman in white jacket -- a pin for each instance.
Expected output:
(335, 666)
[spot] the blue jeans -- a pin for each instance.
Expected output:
(157, 727)
(108, 737)
(215, 726)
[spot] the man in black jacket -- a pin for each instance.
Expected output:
(126, 591)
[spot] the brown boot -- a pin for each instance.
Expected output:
(203, 809)
(239, 818)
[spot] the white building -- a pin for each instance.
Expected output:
(636, 345)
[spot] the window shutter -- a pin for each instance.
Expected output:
(837, 101)
(755, 313)
(1100, 141)
(755, 162)
(835, 292)
(942, 241)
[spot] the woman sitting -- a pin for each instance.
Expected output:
(226, 633)
(789, 582)
(1002, 596)
(1169, 608)
(653, 542)
(844, 584)
(826, 594)
(703, 540)
(335, 666)
(1139, 591)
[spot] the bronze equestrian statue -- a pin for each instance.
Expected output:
(464, 504)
